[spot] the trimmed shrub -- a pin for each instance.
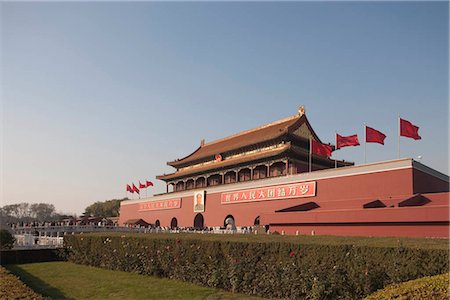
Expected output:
(6, 239)
(13, 288)
(430, 287)
(276, 269)
(25, 256)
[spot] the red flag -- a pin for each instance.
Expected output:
(141, 186)
(135, 189)
(320, 149)
(129, 189)
(148, 183)
(374, 136)
(408, 129)
(344, 141)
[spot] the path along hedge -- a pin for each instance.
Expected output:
(275, 269)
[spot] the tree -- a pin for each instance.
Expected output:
(109, 208)
(25, 212)
(6, 239)
(42, 211)
(15, 212)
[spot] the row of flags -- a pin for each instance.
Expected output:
(406, 129)
(134, 189)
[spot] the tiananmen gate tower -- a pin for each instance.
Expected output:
(261, 177)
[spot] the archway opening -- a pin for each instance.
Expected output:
(230, 177)
(190, 184)
(215, 179)
(229, 222)
(198, 221)
(245, 174)
(174, 223)
(260, 172)
(157, 223)
(179, 186)
(200, 182)
(277, 169)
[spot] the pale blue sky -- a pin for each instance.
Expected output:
(97, 95)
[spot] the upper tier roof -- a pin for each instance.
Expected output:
(246, 138)
(225, 163)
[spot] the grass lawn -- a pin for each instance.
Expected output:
(64, 280)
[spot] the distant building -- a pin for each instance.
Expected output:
(261, 177)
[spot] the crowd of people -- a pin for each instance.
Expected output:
(105, 222)
(244, 230)
(93, 221)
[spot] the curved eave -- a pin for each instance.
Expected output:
(176, 163)
(225, 163)
(207, 158)
(292, 123)
(305, 119)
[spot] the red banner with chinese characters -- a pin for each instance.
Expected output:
(160, 204)
(277, 192)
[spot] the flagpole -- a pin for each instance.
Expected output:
(335, 148)
(398, 115)
(310, 150)
(365, 144)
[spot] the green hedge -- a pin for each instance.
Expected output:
(275, 269)
(12, 288)
(6, 239)
(430, 288)
(25, 256)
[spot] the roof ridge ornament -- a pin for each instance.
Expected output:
(301, 110)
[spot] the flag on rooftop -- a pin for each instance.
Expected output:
(320, 149)
(129, 189)
(374, 136)
(407, 129)
(345, 141)
(135, 189)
